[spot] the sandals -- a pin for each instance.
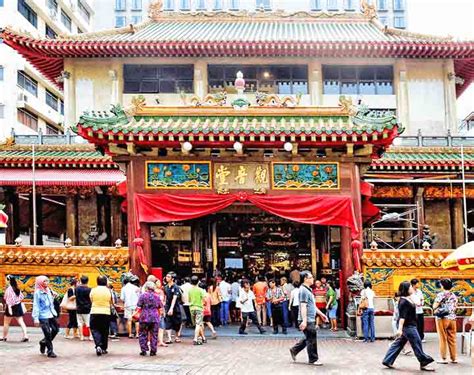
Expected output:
(25, 339)
(197, 342)
(177, 339)
(164, 345)
(168, 342)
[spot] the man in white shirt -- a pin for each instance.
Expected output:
(245, 303)
(129, 295)
(224, 286)
(368, 317)
(419, 300)
(185, 288)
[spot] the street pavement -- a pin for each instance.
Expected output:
(229, 354)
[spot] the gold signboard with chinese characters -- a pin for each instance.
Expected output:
(241, 176)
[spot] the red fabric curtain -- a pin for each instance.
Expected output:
(309, 209)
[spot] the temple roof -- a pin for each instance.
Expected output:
(255, 126)
(244, 34)
(57, 156)
(424, 159)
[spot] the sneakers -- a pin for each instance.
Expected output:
(98, 351)
(293, 355)
(388, 365)
(442, 361)
(52, 355)
(142, 353)
(427, 368)
(243, 333)
(317, 363)
(42, 347)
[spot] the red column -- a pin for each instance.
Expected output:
(347, 268)
(131, 228)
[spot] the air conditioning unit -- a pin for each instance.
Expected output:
(22, 97)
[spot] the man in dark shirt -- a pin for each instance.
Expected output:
(84, 304)
(173, 312)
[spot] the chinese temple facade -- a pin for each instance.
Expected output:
(246, 137)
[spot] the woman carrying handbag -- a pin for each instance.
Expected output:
(14, 308)
(69, 303)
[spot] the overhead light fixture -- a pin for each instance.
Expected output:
(238, 147)
(266, 74)
(288, 146)
(186, 147)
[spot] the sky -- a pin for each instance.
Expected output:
(445, 17)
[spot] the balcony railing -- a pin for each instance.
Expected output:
(421, 140)
(47, 139)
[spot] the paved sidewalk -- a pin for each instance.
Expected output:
(226, 355)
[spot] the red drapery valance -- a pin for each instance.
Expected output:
(309, 209)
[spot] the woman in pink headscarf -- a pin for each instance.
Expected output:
(44, 314)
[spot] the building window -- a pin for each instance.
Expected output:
(52, 100)
(217, 4)
(136, 4)
(1, 73)
(2, 109)
(27, 83)
(358, 80)
(1, 3)
(349, 4)
(50, 129)
(382, 5)
(332, 5)
(265, 4)
(27, 12)
(120, 21)
(274, 79)
(185, 5)
(201, 5)
(399, 22)
(66, 20)
(83, 11)
(53, 6)
(27, 118)
(169, 5)
(154, 79)
(398, 5)
(50, 33)
(61, 107)
(316, 5)
(234, 5)
(120, 4)
(136, 19)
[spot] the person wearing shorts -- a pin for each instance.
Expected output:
(129, 295)
(83, 305)
(331, 306)
(196, 299)
(173, 311)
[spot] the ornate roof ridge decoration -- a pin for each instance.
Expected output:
(255, 126)
(85, 147)
(76, 255)
(397, 258)
(428, 150)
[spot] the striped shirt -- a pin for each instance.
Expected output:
(11, 298)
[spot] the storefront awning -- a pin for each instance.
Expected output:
(60, 177)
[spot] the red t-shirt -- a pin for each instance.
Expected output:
(320, 297)
(206, 311)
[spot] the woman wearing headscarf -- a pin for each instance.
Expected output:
(14, 308)
(151, 306)
(44, 314)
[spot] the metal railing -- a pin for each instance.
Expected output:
(421, 140)
(47, 139)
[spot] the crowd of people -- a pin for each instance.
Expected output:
(156, 312)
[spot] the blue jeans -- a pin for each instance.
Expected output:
(368, 324)
(410, 334)
(286, 321)
(225, 312)
(269, 310)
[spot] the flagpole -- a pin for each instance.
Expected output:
(34, 195)
(464, 195)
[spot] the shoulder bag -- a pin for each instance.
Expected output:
(442, 311)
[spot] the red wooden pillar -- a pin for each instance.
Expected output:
(347, 268)
(131, 224)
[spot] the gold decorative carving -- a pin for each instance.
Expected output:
(345, 102)
(43, 255)
(272, 100)
(210, 100)
(155, 9)
(368, 10)
(138, 103)
(447, 192)
(84, 192)
(393, 192)
(404, 258)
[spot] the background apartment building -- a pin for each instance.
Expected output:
(28, 101)
(118, 13)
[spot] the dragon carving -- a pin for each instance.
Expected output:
(272, 100)
(210, 100)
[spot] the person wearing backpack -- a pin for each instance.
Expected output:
(445, 312)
